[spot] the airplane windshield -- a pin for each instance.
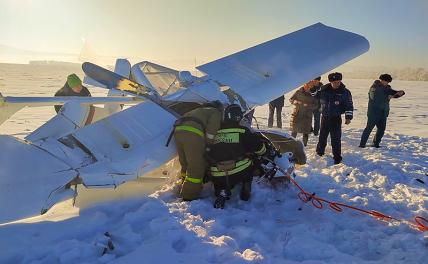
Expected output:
(163, 79)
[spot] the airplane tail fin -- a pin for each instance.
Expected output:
(123, 68)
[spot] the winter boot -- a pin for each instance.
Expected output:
(305, 139)
(221, 199)
(337, 160)
(245, 193)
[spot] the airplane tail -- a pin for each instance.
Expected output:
(10, 105)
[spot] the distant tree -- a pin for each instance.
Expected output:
(409, 74)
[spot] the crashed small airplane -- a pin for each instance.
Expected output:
(105, 147)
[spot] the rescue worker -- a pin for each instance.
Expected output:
(316, 113)
(301, 117)
(378, 109)
(276, 105)
(230, 156)
(192, 133)
(73, 87)
(335, 100)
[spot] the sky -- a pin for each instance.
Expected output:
(185, 33)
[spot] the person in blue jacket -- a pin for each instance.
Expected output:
(380, 94)
(335, 100)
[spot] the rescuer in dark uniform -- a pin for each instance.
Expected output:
(230, 156)
(335, 100)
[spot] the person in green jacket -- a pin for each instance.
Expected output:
(73, 87)
(193, 133)
(380, 94)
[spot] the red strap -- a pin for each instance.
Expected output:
(420, 223)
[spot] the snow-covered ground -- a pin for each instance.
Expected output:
(273, 227)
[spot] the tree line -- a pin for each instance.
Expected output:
(408, 74)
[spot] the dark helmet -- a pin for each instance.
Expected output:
(216, 104)
(233, 113)
(385, 77)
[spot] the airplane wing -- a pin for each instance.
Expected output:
(126, 145)
(9, 105)
(266, 71)
(107, 153)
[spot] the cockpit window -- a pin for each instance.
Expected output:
(163, 79)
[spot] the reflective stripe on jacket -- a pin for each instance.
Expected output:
(204, 121)
(194, 180)
(228, 135)
(190, 129)
(231, 145)
(239, 166)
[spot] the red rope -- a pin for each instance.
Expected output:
(420, 223)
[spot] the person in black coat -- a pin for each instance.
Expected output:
(335, 100)
(277, 105)
(73, 87)
(380, 94)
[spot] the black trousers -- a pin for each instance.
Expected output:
(227, 183)
(278, 116)
(332, 126)
(380, 124)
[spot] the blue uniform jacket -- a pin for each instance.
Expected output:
(335, 102)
